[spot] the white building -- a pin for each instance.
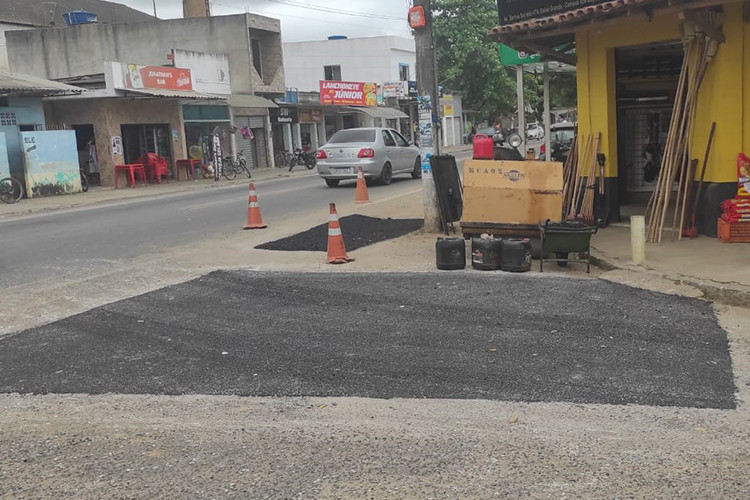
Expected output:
(375, 59)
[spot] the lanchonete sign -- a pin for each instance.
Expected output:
(348, 93)
(513, 11)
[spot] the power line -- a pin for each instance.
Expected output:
(328, 10)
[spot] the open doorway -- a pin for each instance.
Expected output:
(647, 79)
(137, 140)
(86, 147)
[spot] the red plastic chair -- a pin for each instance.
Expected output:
(156, 166)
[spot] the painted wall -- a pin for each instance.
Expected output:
(51, 162)
(210, 72)
(371, 59)
(27, 111)
(723, 97)
(3, 52)
(82, 50)
(4, 165)
(107, 115)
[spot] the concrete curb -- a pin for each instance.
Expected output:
(711, 291)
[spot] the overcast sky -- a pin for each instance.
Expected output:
(298, 23)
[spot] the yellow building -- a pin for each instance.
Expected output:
(629, 54)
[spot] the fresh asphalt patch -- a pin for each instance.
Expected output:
(358, 231)
(496, 336)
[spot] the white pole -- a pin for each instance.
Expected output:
(547, 134)
(521, 109)
(638, 238)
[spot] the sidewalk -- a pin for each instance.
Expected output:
(720, 270)
(97, 194)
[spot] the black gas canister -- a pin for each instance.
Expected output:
(516, 255)
(486, 253)
(450, 253)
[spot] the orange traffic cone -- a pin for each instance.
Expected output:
(254, 220)
(336, 248)
(360, 195)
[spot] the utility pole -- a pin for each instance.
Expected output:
(429, 112)
(155, 9)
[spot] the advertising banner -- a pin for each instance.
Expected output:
(348, 93)
(512, 57)
(132, 76)
(513, 11)
(394, 89)
(307, 115)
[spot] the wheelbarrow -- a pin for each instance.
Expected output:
(565, 238)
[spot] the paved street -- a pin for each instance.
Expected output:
(83, 240)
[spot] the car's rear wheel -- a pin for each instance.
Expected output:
(332, 183)
(386, 175)
(417, 172)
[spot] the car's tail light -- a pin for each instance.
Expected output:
(543, 149)
(321, 155)
(366, 153)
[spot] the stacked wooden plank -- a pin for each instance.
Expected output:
(699, 51)
(583, 178)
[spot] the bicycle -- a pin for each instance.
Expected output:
(231, 167)
(284, 159)
(10, 190)
(84, 181)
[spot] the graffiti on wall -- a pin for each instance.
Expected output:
(50, 163)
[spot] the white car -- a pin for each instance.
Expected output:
(534, 131)
(381, 152)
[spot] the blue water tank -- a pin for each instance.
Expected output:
(338, 37)
(79, 17)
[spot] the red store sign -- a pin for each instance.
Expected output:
(348, 93)
(158, 77)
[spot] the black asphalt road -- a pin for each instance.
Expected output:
(494, 336)
(76, 242)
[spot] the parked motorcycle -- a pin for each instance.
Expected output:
(305, 158)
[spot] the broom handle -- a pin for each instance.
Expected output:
(703, 173)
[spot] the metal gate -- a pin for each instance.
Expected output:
(251, 147)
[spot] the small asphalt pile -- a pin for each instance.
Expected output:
(358, 230)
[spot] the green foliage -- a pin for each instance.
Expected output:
(468, 62)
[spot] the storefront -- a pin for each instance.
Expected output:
(208, 132)
(252, 126)
(43, 161)
(312, 128)
(628, 78)
(285, 127)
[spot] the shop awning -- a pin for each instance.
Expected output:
(15, 83)
(176, 94)
(379, 112)
(249, 101)
(572, 16)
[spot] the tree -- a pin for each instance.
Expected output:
(468, 60)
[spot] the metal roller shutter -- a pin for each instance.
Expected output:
(250, 146)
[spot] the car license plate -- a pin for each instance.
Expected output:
(341, 170)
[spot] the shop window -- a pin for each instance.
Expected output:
(4, 102)
(403, 72)
(257, 56)
(332, 73)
